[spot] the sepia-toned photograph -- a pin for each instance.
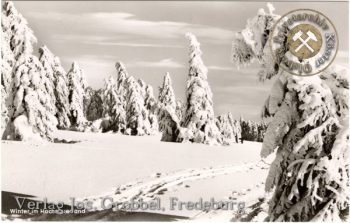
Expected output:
(225, 111)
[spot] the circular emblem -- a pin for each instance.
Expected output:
(304, 42)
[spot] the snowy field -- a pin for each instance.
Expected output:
(125, 167)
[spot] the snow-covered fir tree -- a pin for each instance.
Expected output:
(152, 109)
(32, 101)
(110, 97)
(150, 106)
(122, 91)
(308, 130)
(15, 28)
(136, 113)
(10, 19)
(46, 59)
(113, 106)
(166, 101)
(225, 128)
(307, 153)
(7, 63)
(122, 75)
(236, 128)
(93, 104)
(27, 101)
(199, 121)
(76, 86)
(56, 86)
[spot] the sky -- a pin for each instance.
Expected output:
(149, 38)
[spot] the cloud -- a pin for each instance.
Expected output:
(126, 44)
(121, 24)
(221, 68)
(168, 63)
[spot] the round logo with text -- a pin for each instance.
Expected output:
(304, 42)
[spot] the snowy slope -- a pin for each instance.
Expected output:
(101, 164)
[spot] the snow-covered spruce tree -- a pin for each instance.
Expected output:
(199, 120)
(110, 97)
(113, 106)
(11, 19)
(236, 127)
(23, 82)
(122, 91)
(151, 121)
(46, 59)
(166, 101)
(225, 128)
(152, 108)
(247, 130)
(122, 75)
(32, 108)
(309, 133)
(7, 63)
(56, 86)
(76, 86)
(93, 105)
(309, 175)
(136, 113)
(15, 27)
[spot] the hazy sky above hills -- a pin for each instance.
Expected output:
(149, 38)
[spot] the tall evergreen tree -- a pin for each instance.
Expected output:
(93, 104)
(112, 106)
(46, 57)
(136, 114)
(151, 107)
(56, 86)
(199, 120)
(226, 130)
(122, 91)
(110, 97)
(310, 175)
(7, 63)
(76, 86)
(166, 101)
(236, 128)
(27, 99)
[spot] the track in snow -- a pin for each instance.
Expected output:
(159, 183)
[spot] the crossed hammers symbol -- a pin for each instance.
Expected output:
(297, 36)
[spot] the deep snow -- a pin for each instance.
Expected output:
(99, 164)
